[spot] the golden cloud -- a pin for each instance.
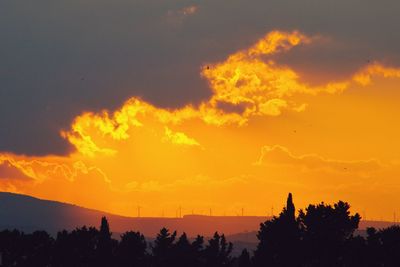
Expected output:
(281, 155)
(245, 78)
(179, 138)
(364, 77)
(148, 153)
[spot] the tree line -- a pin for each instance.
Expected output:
(322, 235)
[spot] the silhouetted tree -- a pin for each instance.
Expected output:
(244, 259)
(77, 248)
(322, 235)
(131, 250)
(279, 239)
(326, 229)
(390, 241)
(38, 248)
(290, 209)
(217, 252)
(354, 252)
(374, 255)
(19, 249)
(183, 252)
(162, 249)
(11, 246)
(198, 251)
(105, 245)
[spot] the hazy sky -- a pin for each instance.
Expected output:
(223, 104)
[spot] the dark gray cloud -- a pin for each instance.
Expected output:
(59, 58)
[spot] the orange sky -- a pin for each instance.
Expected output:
(266, 130)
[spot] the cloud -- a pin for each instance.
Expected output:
(38, 170)
(52, 72)
(246, 84)
(176, 17)
(242, 79)
(27, 168)
(365, 76)
(10, 172)
(179, 138)
(226, 95)
(282, 156)
(197, 182)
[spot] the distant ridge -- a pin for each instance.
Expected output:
(29, 214)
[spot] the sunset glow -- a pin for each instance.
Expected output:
(264, 131)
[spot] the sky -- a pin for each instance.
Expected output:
(221, 105)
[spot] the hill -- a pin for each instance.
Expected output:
(28, 214)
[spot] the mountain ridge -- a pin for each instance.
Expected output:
(28, 213)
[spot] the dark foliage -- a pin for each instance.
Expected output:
(131, 250)
(279, 237)
(320, 236)
(244, 259)
(217, 252)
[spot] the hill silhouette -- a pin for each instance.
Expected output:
(29, 214)
(321, 235)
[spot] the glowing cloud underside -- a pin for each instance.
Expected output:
(207, 155)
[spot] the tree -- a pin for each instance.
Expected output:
(11, 246)
(197, 244)
(77, 248)
(244, 259)
(198, 251)
(131, 250)
(217, 252)
(321, 236)
(290, 210)
(326, 229)
(374, 253)
(162, 249)
(354, 252)
(105, 244)
(279, 239)
(390, 242)
(184, 253)
(38, 248)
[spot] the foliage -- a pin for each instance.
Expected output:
(320, 236)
